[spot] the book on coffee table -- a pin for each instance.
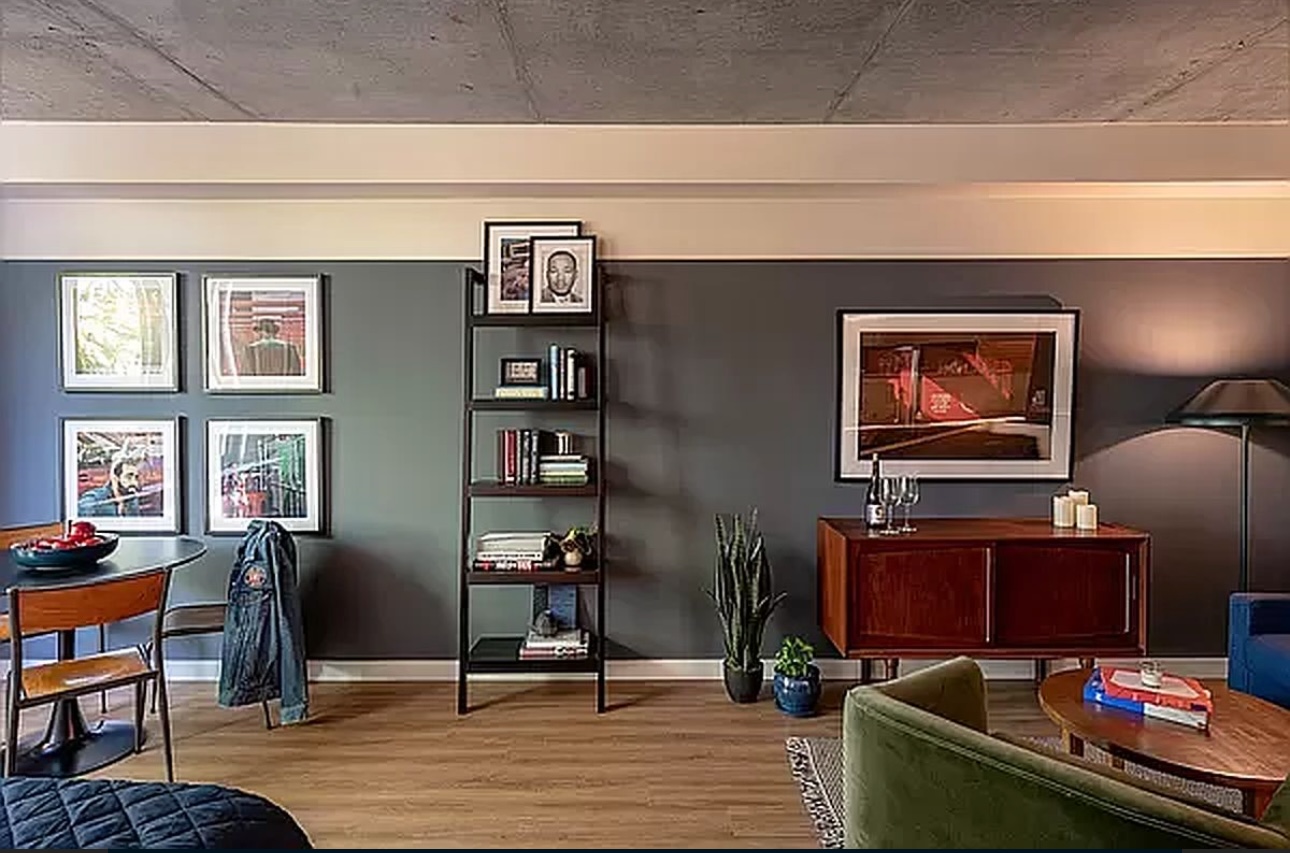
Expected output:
(1095, 691)
(1176, 691)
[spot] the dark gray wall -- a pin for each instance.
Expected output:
(722, 388)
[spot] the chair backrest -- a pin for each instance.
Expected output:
(11, 535)
(38, 611)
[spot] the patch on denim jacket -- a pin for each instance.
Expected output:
(255, 576)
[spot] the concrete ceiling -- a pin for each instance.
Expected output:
(612, 61)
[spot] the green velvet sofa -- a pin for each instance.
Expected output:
(922, 771)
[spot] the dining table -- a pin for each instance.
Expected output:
(70, 746)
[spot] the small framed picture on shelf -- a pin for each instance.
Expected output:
(264, 469)
(123, 474)
(521, 371)
(119, 331)
(264, 333)
(563, 271)
(506, 261)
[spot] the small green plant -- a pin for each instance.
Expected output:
(580, 539)
(794, 657)
(742, 590)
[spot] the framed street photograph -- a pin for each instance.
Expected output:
(563, 272)
(118, 331)
(263, 333)
(968, 395)
(122, 475)
(506, 260)
(269, 469)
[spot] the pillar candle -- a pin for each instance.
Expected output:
(1079, 496)
(1063, 511)
(1086, 516)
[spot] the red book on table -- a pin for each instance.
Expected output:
(1176, 691)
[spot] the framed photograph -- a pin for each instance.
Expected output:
(521, 371)
(264, 469)
(122, 475)
(263, 333)
(956, 395)
(506, 260)
(563, 272)
(119, 331)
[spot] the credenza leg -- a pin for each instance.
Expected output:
(893, 668)
(1087, 663)
(1073, 743)
(866, 670)
(1041, 670)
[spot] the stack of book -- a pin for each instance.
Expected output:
(571, 643)
(1177, 699)
(513, 552)
(568, 469)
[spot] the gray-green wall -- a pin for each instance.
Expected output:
(721, 384)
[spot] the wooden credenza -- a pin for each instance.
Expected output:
(1002, 588)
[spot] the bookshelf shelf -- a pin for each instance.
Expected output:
(494, 654)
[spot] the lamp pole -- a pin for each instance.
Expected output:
(1244, 583)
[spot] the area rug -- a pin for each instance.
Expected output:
(816, 764)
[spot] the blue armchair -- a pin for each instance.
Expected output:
(1258, 645)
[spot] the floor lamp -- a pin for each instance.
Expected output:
(1243, 403)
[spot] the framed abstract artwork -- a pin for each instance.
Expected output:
(969, 395)
(263, 333)
(506, 261)
(269, 469)
(118, 331)
(123, 475)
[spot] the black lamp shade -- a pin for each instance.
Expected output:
(1233, 402)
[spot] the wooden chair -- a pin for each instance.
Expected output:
(191, 620)
(42, 611)
(12, 535)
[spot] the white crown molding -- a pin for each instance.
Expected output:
(697, 155)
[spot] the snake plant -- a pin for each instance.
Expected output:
(742, 590)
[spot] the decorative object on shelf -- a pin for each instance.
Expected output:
(124, 474)
(1086, 516)
(263, 333)
(506, 261)
(744, 598)
(960, 395)
(1243, 403)
(562, 271)
(119, 331)
(797, 678)
(578, 546)
(1063, 511)
(521, 371)
(267, 469)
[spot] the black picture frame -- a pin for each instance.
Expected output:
(522, 371)
(497, 231)
(580, 252)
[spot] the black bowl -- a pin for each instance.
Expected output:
(64, 558)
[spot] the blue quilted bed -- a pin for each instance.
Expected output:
(82, 813)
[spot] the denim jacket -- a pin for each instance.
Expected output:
(264, 650)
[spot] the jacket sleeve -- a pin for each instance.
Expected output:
(290, 630)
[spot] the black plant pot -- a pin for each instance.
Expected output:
(743, 685)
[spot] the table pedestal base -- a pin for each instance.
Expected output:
(99, 746)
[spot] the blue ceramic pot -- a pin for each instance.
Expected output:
(798, 697)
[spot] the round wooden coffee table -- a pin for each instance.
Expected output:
(1247, 746)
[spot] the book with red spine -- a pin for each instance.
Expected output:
(1175, 691)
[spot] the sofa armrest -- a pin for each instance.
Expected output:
(953, 690)
(1255, 613)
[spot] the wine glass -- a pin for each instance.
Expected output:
(908, 497)
(889, 494)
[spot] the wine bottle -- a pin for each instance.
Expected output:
(875, 512)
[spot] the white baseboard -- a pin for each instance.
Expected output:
(660, 669)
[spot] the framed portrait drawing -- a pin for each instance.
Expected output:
(118, 331)
(956, 395)
(263, 333)
(563, 273)
(122, 475)
(269, 469)
(506, 261)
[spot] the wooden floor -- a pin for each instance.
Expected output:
(391, 765)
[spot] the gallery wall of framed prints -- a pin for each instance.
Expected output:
(262, 334)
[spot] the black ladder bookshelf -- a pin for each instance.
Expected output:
(493, 654)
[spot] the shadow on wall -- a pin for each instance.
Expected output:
(363, 602)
